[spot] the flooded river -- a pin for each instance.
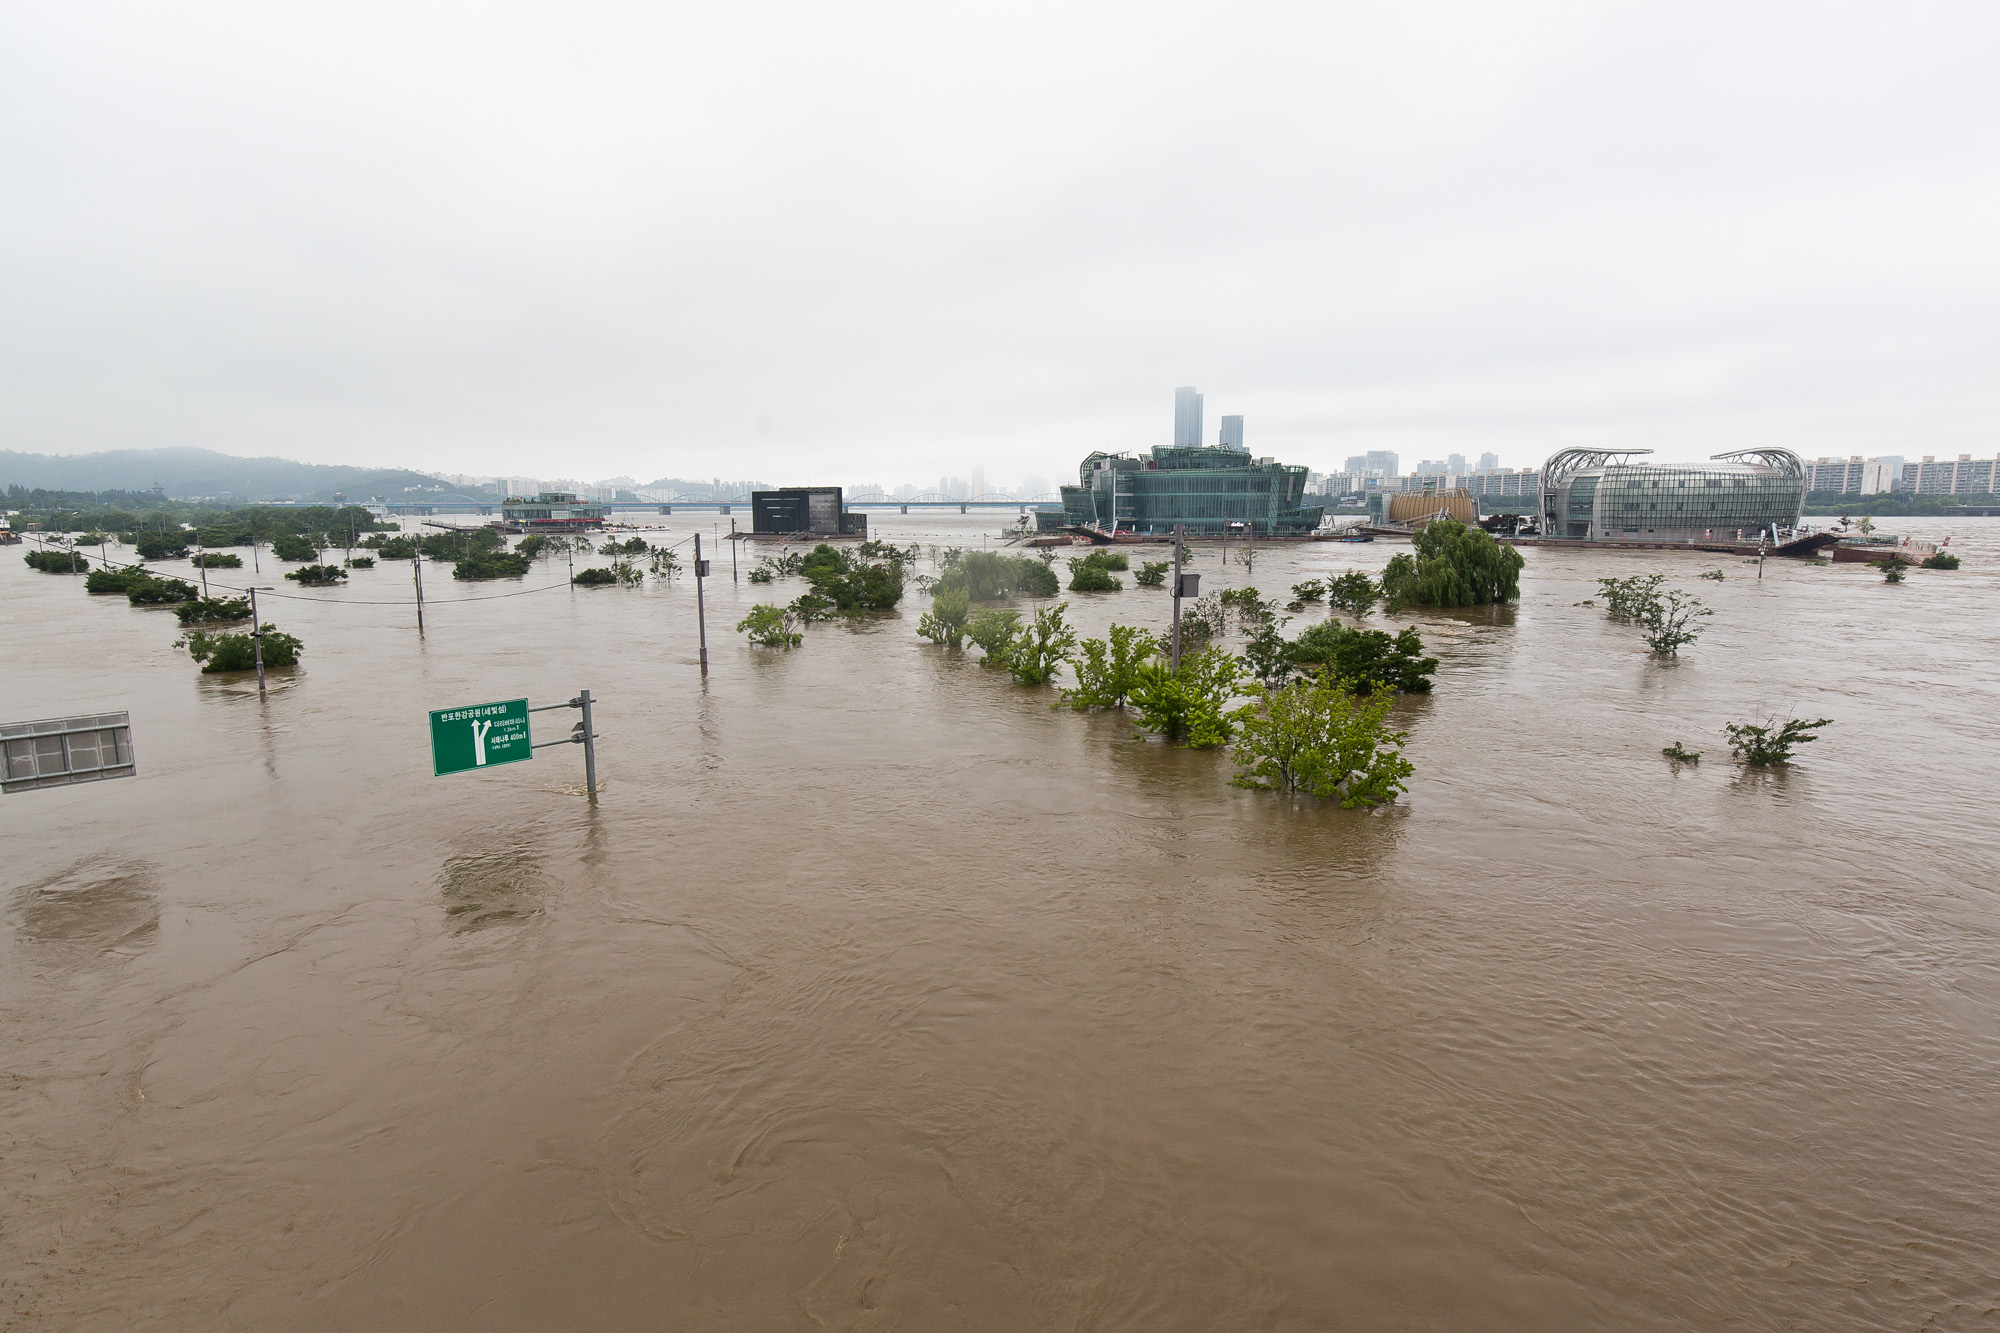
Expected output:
(875, 993)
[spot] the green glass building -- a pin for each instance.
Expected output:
(1204, 489)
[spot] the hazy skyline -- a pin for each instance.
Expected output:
(817, 243)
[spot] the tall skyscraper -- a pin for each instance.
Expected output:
(1488, 462)
(1383, 462)
(978, 482)
(1187, 418)
(1232, 433)
(1454, 462)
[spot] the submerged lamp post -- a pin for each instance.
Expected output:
(700, 607)
(257, 638)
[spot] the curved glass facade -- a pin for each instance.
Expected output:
(1204, 489)
(1599, 496)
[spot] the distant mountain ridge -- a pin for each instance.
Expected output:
(190, 473)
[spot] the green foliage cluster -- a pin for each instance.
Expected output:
(1712, 575)
(237, 652)
(294, 547)
(630, 546)
(1630, 598)
(945, 622)
(213, 611)
(170, 545)
(1672, 622)
(1772, 743)
(318, 576)
(1092, 573)
(888, 552)
(1312, 590)
(762, 574)
(1354, 593)
(150, 591)
(1153, 573)
(56, 562)
(451, 545)
(988, 576)
(1316, 736)
(1108, 668)
(1942, 560)
(1189, 706)
(1680, 754)
(1453, 565)
(1043, 646)
(1249, 605)
(361, 562)
(1895, 569)
(114, 580)
(1206, 619)
(994, 631)
(1364, 660)
(594, 577)
(772, 626)
(397, 548)
(482, 565)
(216, 560)
(852, 585)
(664, 563)
(529, 546)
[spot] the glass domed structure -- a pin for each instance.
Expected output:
(1599, 495)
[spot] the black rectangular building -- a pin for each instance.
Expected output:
(811, 510)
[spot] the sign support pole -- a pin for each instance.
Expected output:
(257, 640)
(417, 573)
(589, 746)
(1177, 598)
(700, 608)
(733, 544)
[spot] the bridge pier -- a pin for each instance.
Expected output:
(961, 509)
(666, 509)
(725, 509)
(906, 509)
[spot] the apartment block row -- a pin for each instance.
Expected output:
(1855, 475)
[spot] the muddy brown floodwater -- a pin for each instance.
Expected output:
(875, 993)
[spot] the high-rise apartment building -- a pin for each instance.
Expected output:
(1454, 463)
(1232, 433)
(1187, 418)
(1382, 462)
(1489, 462)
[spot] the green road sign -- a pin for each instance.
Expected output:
(479, 736)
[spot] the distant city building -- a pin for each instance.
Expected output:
(1503, 481)
(1204, 489)
(1187, 418)
(1599, 495)
(1231, 435)
(1489, 462)
(1455, 464)
(1383, 463)
(817, 510)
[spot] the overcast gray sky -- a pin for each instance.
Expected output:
(818, 242)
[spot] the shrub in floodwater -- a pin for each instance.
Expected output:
(56, 562)
(988, 576)
(361, 562)
(216, 560)
(761, 574)
(1309, 591)
(238, 652)
(1712, 575)
(594, 577)
(160, 592)
(1894, 570)
(1152, 574)
(1680, 754)
(213, 611)
(1043, 646)
(1942, 560)
(114, 580)
(1630, 598)
(1453, 565)
(529, 546)
(1316, 736)
(772, 626)
(852, 585)
(397, 548)
(1365, 660)
(945, 622)
(293, 546)
(1354, 593)
(631, 546)
(1188, 706)
(318, 576)
(482, 565)
(1672, 621)
(160, 545)
(1107, 668)
(1771, 743)
(995, 633)
(1090, 575)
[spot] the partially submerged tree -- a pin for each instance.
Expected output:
(995, 632)
(1316, 736)
(1772, 743)
(1354, 593)
(1189, 706)
(481, 565)
(1092, 573)
(238, 652)
(771, 626)
(1630, 598)
(594, 577)
(160, 592)
(1152, 574)
(318, 576)
(1453, 565)
(1365, 660)
(213, 611)
(1043, 646)
(987, 576)
(217, 560)
(946, 621)
(1672, 621)
(294, 547)
(1108, 668)
(1941, 560)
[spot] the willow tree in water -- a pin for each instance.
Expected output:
(1453, 566)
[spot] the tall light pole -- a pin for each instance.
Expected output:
(700, 608)
(257, 639)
